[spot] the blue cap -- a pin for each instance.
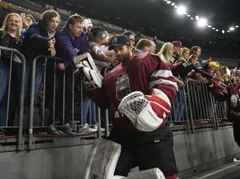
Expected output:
(118, 41)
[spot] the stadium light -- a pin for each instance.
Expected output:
(202, 22)
(232, 28)
(181, 10)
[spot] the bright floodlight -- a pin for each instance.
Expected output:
(232, 28)
(202, 22)
(181, 10)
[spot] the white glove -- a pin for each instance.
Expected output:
(146, 113)
(90, 71)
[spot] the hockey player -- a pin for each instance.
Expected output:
(139, 91)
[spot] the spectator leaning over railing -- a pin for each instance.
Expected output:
(196, 50)
(39, 40)
(177, 45)
(224, 77)
(27, 21)
(166, 53)
(131, 36)
(184, 53)
(188, 69)
(10, 34)
(212, 69)
(87, 106)
(194, 72)
(178, 70)
(87, 25)
(231, 95)
(70, 42)
(153, 47)
(143, 45)
(104, 59)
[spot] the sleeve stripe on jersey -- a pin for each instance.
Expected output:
(162, 74)
(162, 82)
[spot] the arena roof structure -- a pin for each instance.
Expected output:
(159, 18)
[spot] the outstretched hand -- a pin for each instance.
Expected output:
(61, 66)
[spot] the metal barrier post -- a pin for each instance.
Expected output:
(30, 129)
(21, 100)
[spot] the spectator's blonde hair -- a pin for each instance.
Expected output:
(166, 50)
(184, 50)
(4, 25)
(143, 42)
(191, 57)
(75, 18)
(30, 16)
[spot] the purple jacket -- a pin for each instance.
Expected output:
(67, 48)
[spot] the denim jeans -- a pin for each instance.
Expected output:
(178, 105)
(57, 93)
(4, 78)
(86, 103)
(17, 71)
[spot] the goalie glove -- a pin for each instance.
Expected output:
(92, 78)
(146, 113)
(89, 69)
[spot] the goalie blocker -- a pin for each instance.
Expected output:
(92, 78)
(147, 113)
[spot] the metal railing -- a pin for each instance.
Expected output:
(193, 106)
(21, 100)
(200, 107)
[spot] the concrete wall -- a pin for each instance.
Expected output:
(64, 158)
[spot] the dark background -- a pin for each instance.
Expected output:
(158, 19)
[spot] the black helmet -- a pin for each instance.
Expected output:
(97, 33)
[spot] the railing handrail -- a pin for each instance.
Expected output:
(190, 125)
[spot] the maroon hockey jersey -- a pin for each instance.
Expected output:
(142, 73)
(233, 103)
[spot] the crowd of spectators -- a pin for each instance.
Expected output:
(77, 36)
(58, 46)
